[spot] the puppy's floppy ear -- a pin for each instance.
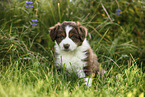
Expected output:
(53, 31)
(82, 31)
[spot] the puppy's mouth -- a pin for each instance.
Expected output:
(67, 50)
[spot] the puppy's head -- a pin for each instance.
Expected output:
(68, 35)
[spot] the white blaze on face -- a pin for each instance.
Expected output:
(67, 40)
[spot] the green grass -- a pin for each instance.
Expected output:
(27, 58)
(38, 80)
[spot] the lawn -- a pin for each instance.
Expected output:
(115, 32)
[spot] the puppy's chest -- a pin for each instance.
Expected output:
(73, 61)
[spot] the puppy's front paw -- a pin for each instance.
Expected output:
(88, 82)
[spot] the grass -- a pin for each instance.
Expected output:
(39, 80)
(27, 58)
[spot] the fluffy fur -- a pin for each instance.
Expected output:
(73, 51)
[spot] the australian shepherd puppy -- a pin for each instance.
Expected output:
(73, 51)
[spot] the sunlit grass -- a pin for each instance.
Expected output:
(37, 80)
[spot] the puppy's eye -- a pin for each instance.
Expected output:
(72, 37)
(61, 37)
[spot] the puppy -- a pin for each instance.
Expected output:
(73, 51)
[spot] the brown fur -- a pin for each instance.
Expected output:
(56, 32)
(93, 66)
(53, 31)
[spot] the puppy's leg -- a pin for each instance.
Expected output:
(88, 81)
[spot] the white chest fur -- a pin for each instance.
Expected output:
(72, 60)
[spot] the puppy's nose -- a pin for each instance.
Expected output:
(66, 46)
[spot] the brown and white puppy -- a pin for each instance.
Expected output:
(73, 50)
